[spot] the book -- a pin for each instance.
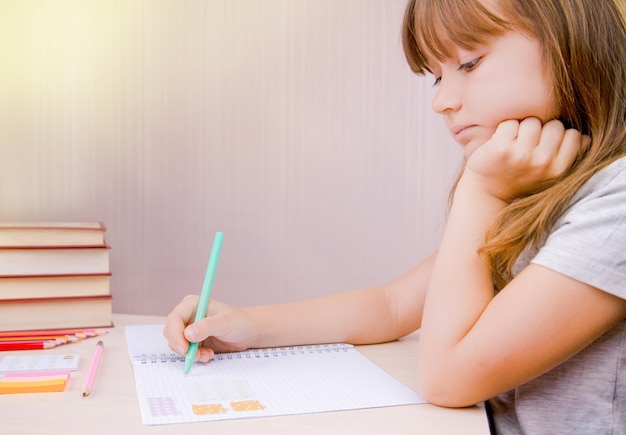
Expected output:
(256, 382)
(54, 313)
(54, 275)
(41, 286)
(13, 234)
(43, 260)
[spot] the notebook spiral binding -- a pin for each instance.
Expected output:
(152, 358)
(272, 352)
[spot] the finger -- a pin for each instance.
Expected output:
(204, 354)
(571, 145)
(186, 309)
(173, 332)
(552, 135)
(507, 130)
(175, 325)
(212, 326)
(529, 132)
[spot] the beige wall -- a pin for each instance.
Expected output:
(293, 126)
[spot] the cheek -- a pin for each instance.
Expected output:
(535, 96)
(538, 108)
(519, 102)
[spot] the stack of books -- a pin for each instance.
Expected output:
(54, 275)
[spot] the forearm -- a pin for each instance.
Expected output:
(369, 315)
(461, 284)
(341, 317)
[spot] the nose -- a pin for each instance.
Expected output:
(447, 97)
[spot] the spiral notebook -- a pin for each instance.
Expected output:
(256, 383)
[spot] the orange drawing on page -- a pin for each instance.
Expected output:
(247, 405)
(214, 408)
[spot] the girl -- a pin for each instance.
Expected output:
(524, 304)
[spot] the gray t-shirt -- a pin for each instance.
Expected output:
(587, 393)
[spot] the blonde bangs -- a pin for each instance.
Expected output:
(433, 28)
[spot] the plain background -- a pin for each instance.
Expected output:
(293, 126)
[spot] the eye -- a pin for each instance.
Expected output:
(468, 66)
(437, 81)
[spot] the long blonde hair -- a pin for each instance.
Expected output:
(584, 51)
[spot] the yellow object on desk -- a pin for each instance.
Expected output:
(30, 382)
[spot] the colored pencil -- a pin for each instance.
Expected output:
(205, 295)
(93, 369)
(28, 345)
(85, 332)
(41, 338)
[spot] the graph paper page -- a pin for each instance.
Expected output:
(256, 383)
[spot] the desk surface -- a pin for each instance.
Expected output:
(112, 407)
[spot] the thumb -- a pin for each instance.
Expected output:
(212, 326)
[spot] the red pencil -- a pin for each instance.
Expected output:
(28, 345)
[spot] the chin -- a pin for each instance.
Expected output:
(470, 148)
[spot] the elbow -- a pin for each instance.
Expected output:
(443, 390)
(445, 400)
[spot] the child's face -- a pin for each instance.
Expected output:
(478, 89)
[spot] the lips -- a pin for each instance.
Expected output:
(458, 129)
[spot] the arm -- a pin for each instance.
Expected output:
(368, 315)
(474, 345)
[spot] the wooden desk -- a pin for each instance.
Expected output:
(112, 408)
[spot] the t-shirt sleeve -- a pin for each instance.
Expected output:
(588, 243)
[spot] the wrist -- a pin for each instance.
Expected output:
(480, 189)
(264, 329)
(255, 329)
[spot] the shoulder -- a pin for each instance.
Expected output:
(587, 242)
(601, 199)
(608, 181)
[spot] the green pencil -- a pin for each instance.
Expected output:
(205, 295)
